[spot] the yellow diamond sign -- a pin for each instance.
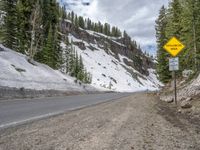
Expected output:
(174, 46)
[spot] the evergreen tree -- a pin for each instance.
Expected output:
(106, 29)
(174, 19)
(71, 61)
(81, 22)
(81, 70)
(36, 31)
(162, 55)
(47, 52)
(190, 31)
(67, 59)
(10, 24)
(72, 17)
(76, 22)
(24, 11)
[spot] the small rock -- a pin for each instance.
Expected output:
(188, 99)
(179, 111)
(186, 104)
(171, 100)
(167, 99)
(1, 49)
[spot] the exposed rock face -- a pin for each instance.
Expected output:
(81, 45)
(117, 45)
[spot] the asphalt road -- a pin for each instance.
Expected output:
(20, 111)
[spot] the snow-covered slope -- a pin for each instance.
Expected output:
(108, 72)
(17, 71)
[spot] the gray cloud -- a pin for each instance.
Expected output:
(137, 17)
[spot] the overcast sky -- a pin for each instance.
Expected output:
(137, 17)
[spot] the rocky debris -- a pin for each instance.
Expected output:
(187, 73)
(137, 122)
(81, 45)
(167, 99)
(1, 49)
(188, 99)
(186, 104)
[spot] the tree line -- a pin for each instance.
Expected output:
(182, 20)
(88, 24)
(32, 28)
(73, 64)
(106, 28)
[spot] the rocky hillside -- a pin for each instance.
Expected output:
(18, 71)
(188, 96)
(115, 63)
(67, 43)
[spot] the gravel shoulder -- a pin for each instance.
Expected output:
(137, 122)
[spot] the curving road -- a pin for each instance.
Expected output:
(20, 111)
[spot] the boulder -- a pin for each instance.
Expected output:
(186, 104)
(1, 49)
(167, 99)
(187, 73)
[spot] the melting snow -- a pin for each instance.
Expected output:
(109, 72)
(17, 72)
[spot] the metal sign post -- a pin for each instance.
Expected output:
(174, 66)
(175, 91)
(174, 47)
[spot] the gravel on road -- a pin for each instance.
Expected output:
(137, 122)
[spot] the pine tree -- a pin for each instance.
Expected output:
(67, 59)
(63, 13)
(76, 65)
(81, 22)
(71, 61)
(106, 29)
(190, 31)
(10, 25)
(113, 32)
(174, 19)
(47, 53)
(76, 22)
(81, 70)
(36, 31)
(24, 11)
(162, 55)
(72, 17)
(89, 24)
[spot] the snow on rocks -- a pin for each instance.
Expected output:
(110, 73)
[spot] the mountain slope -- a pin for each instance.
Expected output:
(112, 64)
(20, 72)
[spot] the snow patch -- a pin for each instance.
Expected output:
(109, 73)
(16, 71)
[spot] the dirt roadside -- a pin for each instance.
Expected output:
(137, 122)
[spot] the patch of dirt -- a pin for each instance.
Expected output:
(138, 122)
